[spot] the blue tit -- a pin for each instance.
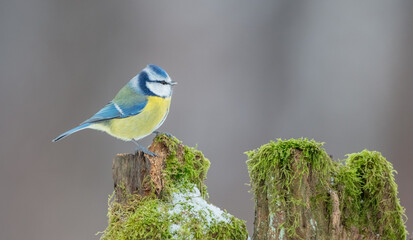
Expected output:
(138, 109)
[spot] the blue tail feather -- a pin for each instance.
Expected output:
(83, 126)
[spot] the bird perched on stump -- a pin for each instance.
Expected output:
(138, 109)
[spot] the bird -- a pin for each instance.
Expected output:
(138, 109)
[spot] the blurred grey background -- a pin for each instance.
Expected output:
(248, 72)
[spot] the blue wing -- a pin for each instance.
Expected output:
(125, 104)
(110, 111)
(113, 110)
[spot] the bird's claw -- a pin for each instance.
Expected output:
(145, 151)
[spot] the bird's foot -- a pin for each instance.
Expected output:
(145, 151)
(167, 134)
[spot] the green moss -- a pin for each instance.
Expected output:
(181, 212)
(140, 218)
(192, 170)
(369, 195)
(234, 230)
(364, 183)
(272, 164)
(172, 143)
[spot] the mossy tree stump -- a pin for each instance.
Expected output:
(300, 193)
(164, 197)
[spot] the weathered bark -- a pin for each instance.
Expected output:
(139, 173)
(129, 174)
(261, 215)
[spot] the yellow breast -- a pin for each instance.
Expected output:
(140, 125)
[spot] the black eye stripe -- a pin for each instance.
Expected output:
(163, 82)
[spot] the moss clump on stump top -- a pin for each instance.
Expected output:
(300, 193)
(174, 205)
(369, 196)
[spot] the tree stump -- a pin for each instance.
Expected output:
(164, 197)
(300, 193)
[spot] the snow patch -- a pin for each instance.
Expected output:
(190, 203)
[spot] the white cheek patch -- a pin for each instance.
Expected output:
(159, 89)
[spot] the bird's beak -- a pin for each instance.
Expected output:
(173, 83)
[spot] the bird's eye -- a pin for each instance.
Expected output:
(164, 82)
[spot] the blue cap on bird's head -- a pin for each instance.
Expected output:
(157, 70)
(154, 81)
(155, 73)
